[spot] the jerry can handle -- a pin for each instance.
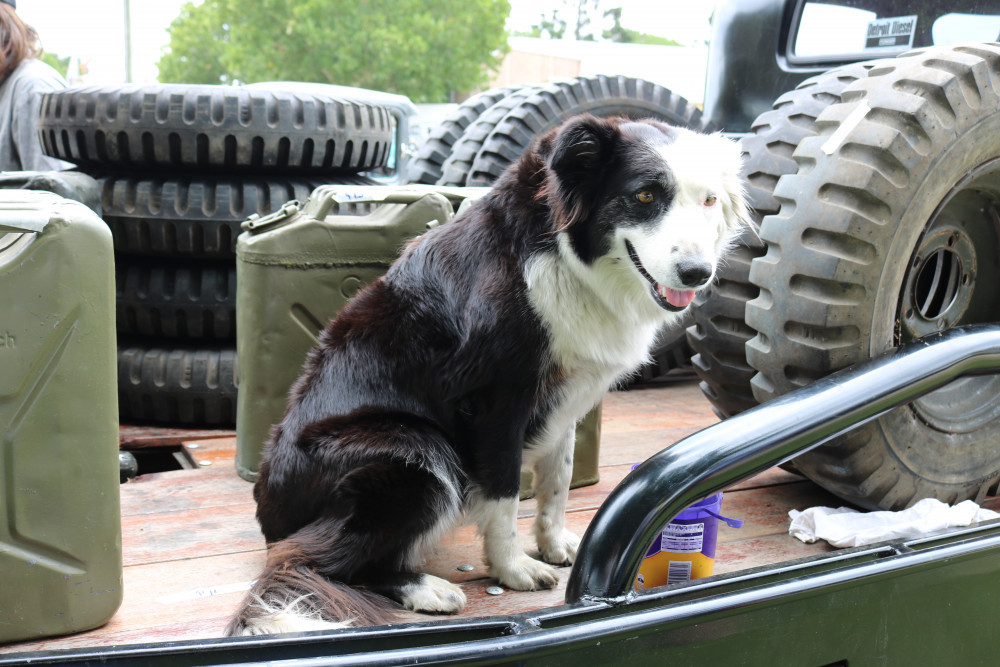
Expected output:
(325, 196)
(257, 222)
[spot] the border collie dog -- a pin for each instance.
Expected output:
(474, 356)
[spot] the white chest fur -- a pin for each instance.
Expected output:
(599, 317)
(600, 322)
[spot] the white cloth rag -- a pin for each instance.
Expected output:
(846, 527)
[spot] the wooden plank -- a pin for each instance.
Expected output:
(179, 490)
(173, 536)
(134, 436)
(219, 449)
(186, 533)
(764, 550)
(162, 603)
(159, 595)
(763, 510)
(771, 477)
(591, 497)
(731, 557)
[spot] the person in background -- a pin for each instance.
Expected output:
(23, 79)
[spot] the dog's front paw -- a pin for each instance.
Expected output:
(558, 549)
(525, 573)
(433, 595)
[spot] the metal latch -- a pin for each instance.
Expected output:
(256, 222)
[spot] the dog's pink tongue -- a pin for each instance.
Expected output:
(677, 298)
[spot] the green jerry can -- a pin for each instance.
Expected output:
(295, 270)
(60, 520)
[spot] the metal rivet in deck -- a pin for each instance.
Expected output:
(204, 463)
(192, 445)
(466, 568)
(494, 590)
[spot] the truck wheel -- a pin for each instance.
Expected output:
(670, 351)
(426, 167)
(719, 331)
(176, 299)
(203, 127)
(890, 230)
(547, 106)
(177, 384)
(199, 216)
(456, 167)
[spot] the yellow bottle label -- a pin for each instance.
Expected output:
(669, 568)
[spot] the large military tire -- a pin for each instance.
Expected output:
(545, 107)
(719, 332)
(204, 127)
(426, 167)
(890, 230)
(670, 352)
(456, 167)
(176, 384)
(170, 215)
(176, 299)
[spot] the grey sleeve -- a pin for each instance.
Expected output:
(27, 102)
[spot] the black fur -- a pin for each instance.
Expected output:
(430, 381)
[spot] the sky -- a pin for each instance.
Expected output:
(93, 30)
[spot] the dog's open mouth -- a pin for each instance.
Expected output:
(666, 298)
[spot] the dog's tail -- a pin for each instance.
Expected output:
(291, 596)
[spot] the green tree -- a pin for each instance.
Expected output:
(55, 62)
(619, 33)
(549, 26)
(583, 15)
(197, 46)
(554, 26)
(420, 48)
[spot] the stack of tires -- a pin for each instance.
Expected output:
(180, 167)
(489, 131)
(878, 186)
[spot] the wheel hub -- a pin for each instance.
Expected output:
(951, 281)
(939, 283)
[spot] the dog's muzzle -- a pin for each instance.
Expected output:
(665, 297)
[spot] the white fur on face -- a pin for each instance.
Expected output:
(604, 312)
(703, 217)
(598, 316)
(711, 162)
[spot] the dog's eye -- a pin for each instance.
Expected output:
(710, 201)
(645, 197)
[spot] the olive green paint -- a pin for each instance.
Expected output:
(60, 519)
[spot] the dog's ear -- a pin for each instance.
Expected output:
(735, 205)
(579, 152)
(580, 144)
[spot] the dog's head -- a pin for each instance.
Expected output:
(646, 205)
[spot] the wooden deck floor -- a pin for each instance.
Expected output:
(191, 544)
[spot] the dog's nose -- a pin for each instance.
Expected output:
(694, 273)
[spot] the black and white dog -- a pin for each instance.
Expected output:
(474, 356)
